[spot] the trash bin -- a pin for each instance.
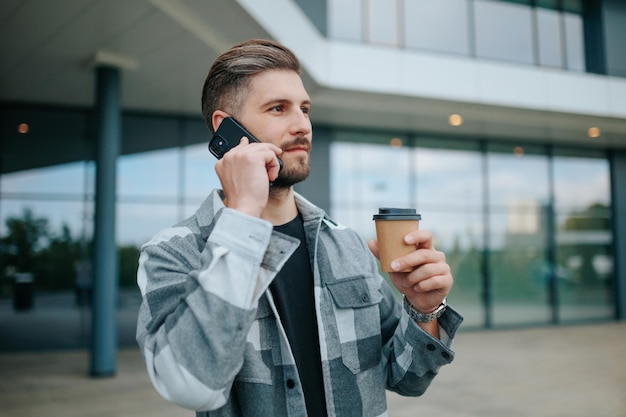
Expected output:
(23, 291)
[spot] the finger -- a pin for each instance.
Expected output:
(272, 163)
(417, 258)
(265, 145)
(243, 141)
(269, 155)
(373, 245)
(273, 168)
(438, 283)
(422, 273)
(428, 270)
(421, 238)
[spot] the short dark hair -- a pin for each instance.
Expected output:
(226, 84)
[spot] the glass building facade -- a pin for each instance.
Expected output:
(543, 33)
(528, 226)
(515, 221)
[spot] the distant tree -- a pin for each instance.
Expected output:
(128, 261)
(30, 246)
(56, 266)
(26, 236)
(594, 217)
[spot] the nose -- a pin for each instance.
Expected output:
(300, 124)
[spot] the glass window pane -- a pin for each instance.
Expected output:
(383, 175)
(449, 178)
(365, 177)
(199, 172)
(583, 236)
(66, 178)
(518, 268)
(549, 33)
(574, 42)
(345, 19)
(585, 269)
(581, 183)
(383, 22)
(152, 174)
(518, 177)
(504, 31)
(518, 194)
(351, 179)
(138, 223)
(344, 163)
(440, 25)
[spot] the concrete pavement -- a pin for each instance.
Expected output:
(569, 371)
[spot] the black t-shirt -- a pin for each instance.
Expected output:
(292, 290)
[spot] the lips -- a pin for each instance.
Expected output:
(297, 148)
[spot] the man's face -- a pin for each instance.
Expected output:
(276, 110)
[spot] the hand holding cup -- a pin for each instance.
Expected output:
(415, 267)
(392, 225)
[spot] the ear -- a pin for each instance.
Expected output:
(217, 117)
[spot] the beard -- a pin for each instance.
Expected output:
(293, 174)
(297, 170)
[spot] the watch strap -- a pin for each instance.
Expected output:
(421, 317)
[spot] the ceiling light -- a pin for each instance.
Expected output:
(455, 120)
(594, 132)
(395, 142)
(23, 128)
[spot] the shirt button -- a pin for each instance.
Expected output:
(430, 347)
(445, 355)
(290, 383)
(365, 298)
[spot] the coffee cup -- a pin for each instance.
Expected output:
(392, 225)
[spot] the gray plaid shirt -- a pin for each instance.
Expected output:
(213, 342)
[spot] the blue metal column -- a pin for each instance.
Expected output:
(105, 262)
(618, 198)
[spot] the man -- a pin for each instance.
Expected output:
(260, 304)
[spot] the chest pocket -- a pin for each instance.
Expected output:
(357, 316)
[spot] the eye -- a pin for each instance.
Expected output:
(306, 109)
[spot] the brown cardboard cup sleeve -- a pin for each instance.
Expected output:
(392, 224)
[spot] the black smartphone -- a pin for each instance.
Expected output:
(228, 135)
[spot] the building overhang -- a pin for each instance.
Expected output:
(171, 43)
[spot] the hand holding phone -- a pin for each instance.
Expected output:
(244, 191)
(228, 135)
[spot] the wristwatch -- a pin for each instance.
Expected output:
(421, 317)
